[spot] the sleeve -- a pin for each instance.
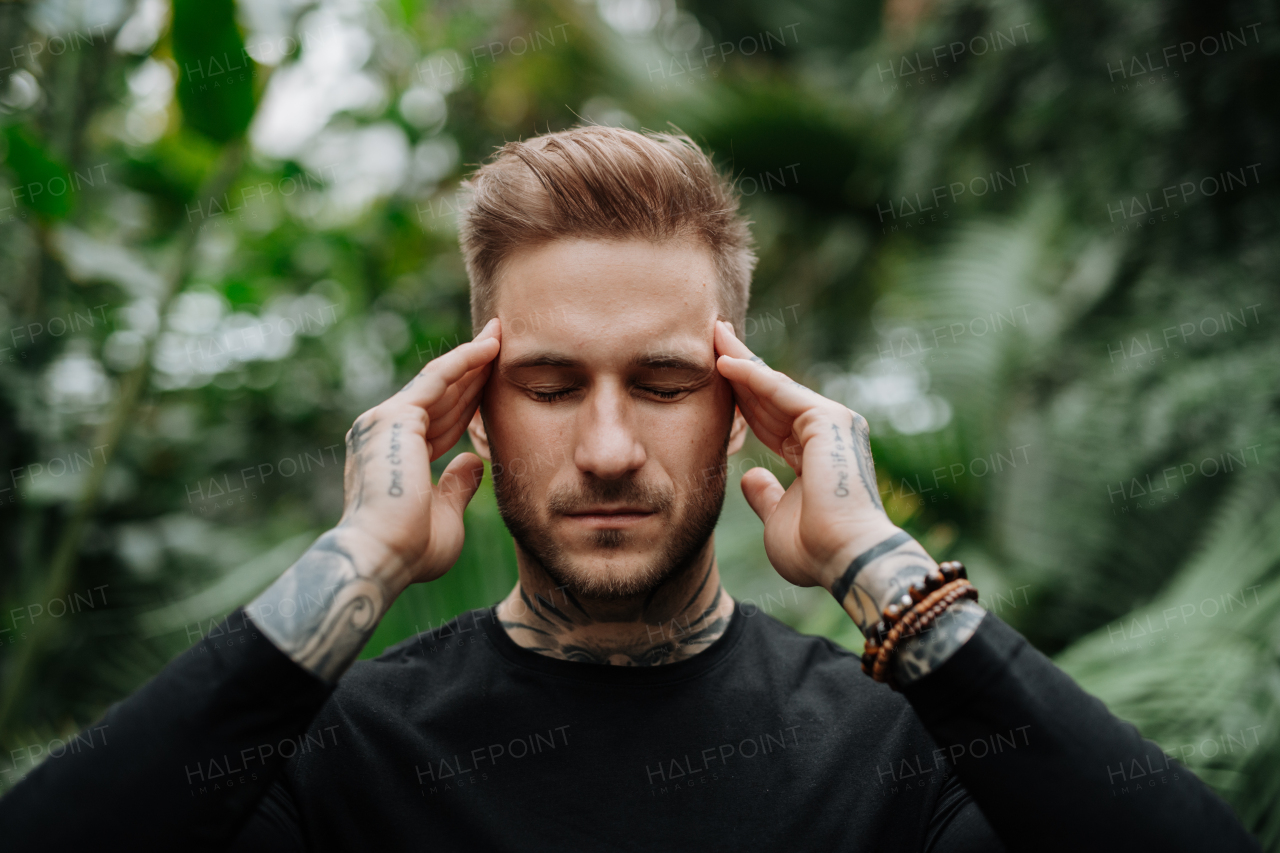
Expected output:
(1050, 767)
(184, 761)
(958, 825)
(274, 826)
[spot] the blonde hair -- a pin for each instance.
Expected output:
(604, 183)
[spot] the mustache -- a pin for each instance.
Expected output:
(625, 491)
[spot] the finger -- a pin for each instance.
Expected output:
(771, 426)
(727, 343)
(762, 491)
(449, 400)
(443, 411)
(760, 419)
(774, 427)
(775, 390)
(460, 480)
(433, 380)
(460, 420)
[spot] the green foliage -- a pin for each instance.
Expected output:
(1032, 413)
(43, 184)
(215, 73)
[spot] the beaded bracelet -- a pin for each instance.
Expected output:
(910, 627)
(907, 625)
(912, 614)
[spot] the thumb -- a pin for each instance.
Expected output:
(460, 480)
(762, 491)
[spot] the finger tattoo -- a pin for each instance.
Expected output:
(841, 463)
(860, 432)
(396, 489)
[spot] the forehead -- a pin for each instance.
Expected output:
(596, 297)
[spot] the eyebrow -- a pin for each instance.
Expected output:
(661, 360)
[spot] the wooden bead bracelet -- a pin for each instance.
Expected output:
(911, 615)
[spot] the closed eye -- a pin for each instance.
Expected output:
(550, 396)
(560, 394)
(664, 395)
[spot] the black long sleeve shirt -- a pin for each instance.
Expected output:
(459, 739)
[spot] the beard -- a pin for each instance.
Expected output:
(687, 527)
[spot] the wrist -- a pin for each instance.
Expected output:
(838, 565)
(875, 570)
(374, 559)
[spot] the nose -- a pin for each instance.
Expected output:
(607, 445)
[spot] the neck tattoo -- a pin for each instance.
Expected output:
(668, 625)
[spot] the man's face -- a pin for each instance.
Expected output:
(605, 418)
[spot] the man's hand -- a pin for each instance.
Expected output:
(832, 511)
(388, 493)
(397, 527)
(830, 528)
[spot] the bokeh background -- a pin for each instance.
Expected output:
(1035, 243)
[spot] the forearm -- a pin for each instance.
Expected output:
(1051, 767)
(323, 610)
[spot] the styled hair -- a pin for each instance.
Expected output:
(603, 183)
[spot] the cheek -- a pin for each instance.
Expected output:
(521, 428)
(685, 436)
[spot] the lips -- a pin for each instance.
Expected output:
(611, 516)
(619, 510)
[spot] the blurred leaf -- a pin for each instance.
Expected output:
(215, 74)
(44, 184)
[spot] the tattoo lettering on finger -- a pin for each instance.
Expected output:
(396, 489)
(840, 462)
(860, 432)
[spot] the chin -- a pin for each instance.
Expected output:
(608, 577)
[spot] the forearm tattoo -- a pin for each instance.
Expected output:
(322, 610)
(922, 654)
(557, 624)
(882, 574)
(879, 575)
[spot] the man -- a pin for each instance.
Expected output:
(616, 699)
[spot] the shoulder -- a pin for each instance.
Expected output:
(826, 680)
(780, 640)
(454, 652)
(812, 661)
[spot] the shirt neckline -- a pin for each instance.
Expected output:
(595, 673)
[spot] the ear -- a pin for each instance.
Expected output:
(737, 433)
(479, 438)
